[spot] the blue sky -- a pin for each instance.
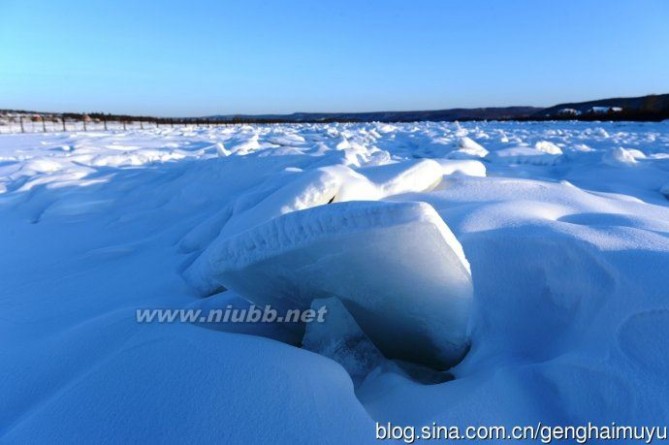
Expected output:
(176, 58)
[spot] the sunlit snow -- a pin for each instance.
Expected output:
(532, 256)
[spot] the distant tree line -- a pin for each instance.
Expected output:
(624, 115)
(648, 114)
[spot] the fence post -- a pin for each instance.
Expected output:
(104, 121)
(141, 125)
(64, 127)
(23, 130)
(43, 125)
(123, 125)
(84, 119)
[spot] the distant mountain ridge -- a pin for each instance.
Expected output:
(490, 113)
(651, 107)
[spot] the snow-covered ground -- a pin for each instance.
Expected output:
(541, 250)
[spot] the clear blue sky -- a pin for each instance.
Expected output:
(201, 57)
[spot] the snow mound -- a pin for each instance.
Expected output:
(619, 156)
(636, 153)
(464, 167)
(548, 147)
(467, 149)
(300, 190)
(396, 266)
(405, 177)
(525, 155)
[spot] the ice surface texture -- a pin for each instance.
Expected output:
(396, 266)
(340, 338)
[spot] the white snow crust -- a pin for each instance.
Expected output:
(564, 228)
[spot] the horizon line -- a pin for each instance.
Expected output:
(23, 110)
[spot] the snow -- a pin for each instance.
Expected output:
(563, 226)
(468, 148)
(621, 156)
(525, 155)
(548, 147)
(462, 167)
(665, 190)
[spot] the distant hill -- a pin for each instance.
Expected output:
(462, 114)
(645, 108)
(652, 107)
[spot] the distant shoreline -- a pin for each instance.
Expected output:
(651, 108)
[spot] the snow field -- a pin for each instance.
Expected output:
(564, 228)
